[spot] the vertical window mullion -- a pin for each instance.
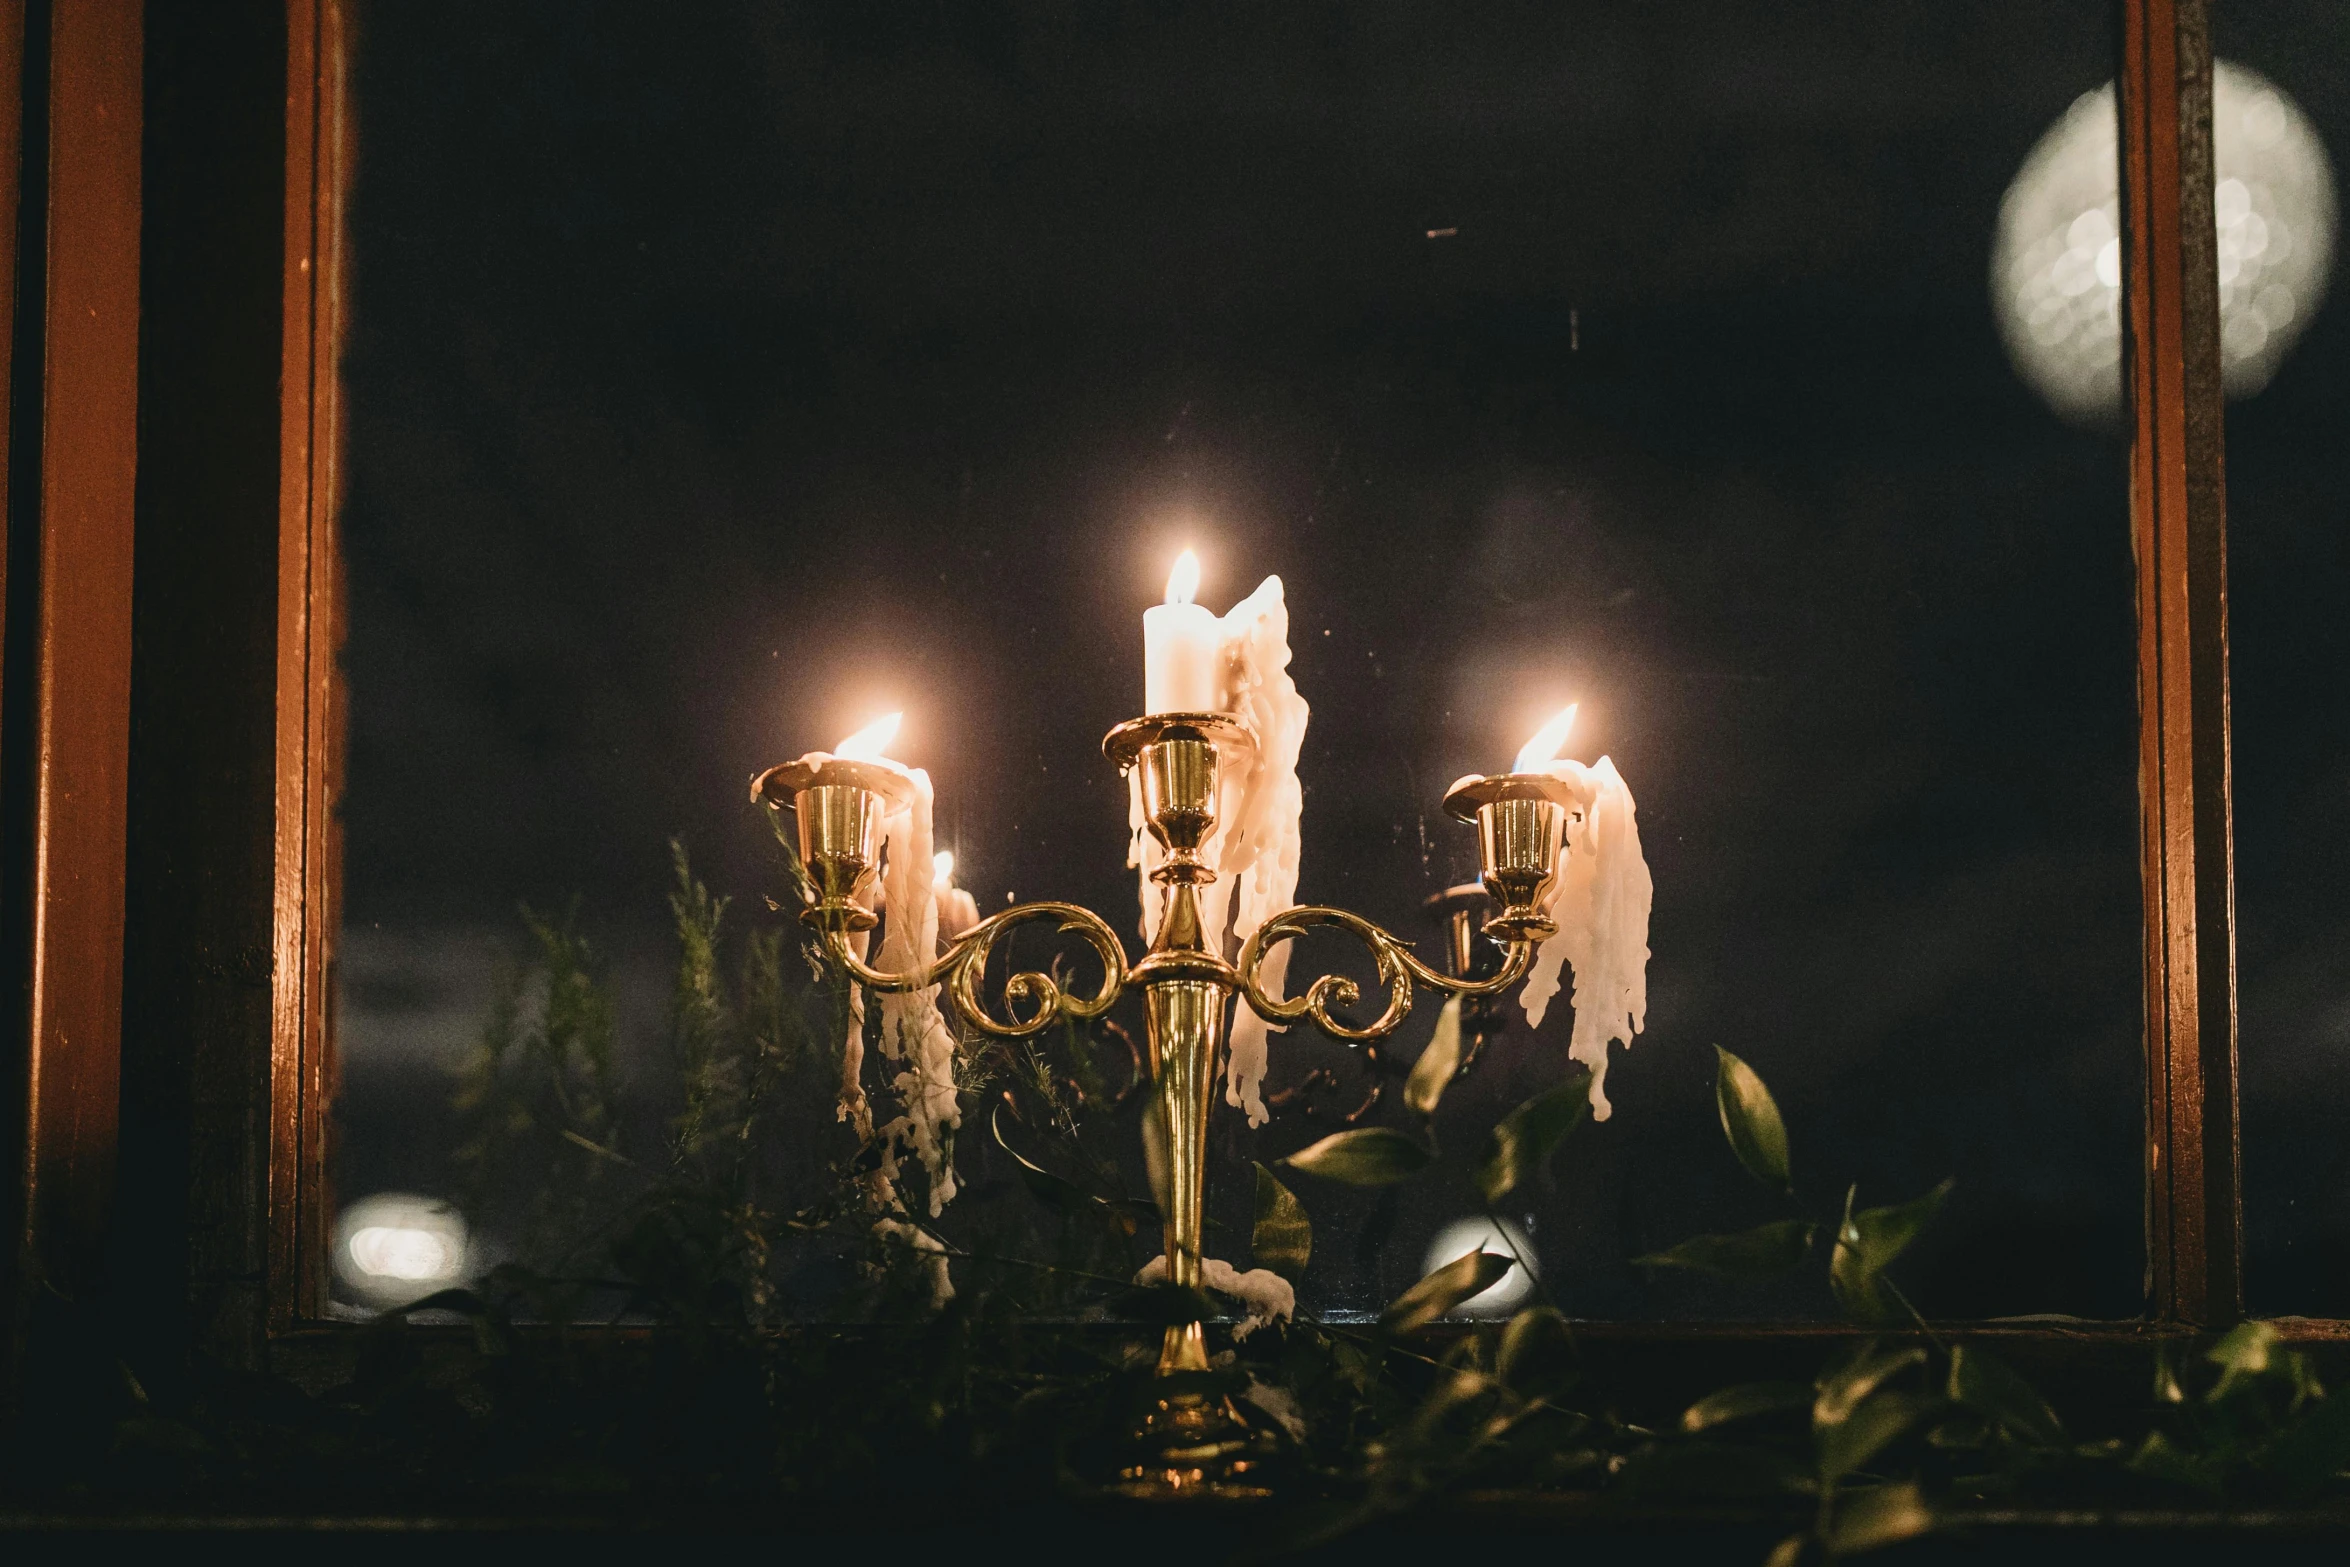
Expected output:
(2179, 525)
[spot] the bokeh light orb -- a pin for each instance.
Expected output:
(2056, 267)
(1463, 1236)
(395, 1247)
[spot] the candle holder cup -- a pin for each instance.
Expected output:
(1190, 1438)
(1521, 820)
(1176, 758)
(840, 804)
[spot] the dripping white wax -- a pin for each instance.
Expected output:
(1600, 901)
(912, 1031)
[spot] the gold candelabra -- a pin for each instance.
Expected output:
(1192, 1438)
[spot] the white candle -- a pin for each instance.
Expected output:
(1600, 900)
(914, 1034)
(1236, 664)
(865, 745)
(1182, 648)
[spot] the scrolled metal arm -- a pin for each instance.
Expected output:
(1399, 971)
(960, 968)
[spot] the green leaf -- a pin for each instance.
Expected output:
(1846, 1445)
(1526, 1138)
(1284, 1237)
(1367, 1156)
(2166, 1377)
(1867, 1241)
(1877, 1517)
(1537, 1354)
(1461, 1279)
(1450, 1396)
(2247, 1347)
(1750, 1119)
(1055, 1192)
(1768, 1248)
(1744, 1402)
(1993, 1389)
(995, 1125)
(2249, 1352)
(1844, 1384)
(1357, 1365)
(1437, 1063)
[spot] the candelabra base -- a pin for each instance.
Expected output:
(1194, 1442)
(1192, 1439)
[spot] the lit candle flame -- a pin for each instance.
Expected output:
(1183, 581)
(867, 744)
(1540, 751)
(942, 869)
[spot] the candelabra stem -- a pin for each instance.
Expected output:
(1192, 1439)
(1186, 1024)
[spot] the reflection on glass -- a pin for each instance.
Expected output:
(774, 370)
(396, 1247)
(2057, 273)
(1501, 1238)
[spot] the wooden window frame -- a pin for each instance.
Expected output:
(310, 718)
(2178, 523)
(72, 178)
(74, 894)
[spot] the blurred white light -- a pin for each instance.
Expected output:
(388, 1251)
(1463, 1236)
(396, 1247)
(2056, 267)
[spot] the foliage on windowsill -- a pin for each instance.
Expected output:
(744, 1201)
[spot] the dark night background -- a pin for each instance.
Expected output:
(723, 375)
(2289, 577)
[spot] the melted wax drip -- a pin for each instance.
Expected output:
(1600, 901)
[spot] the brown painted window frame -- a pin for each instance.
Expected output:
(310, 695)
(80, 658)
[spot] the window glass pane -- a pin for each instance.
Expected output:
(725, 376)
(2282, 124)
